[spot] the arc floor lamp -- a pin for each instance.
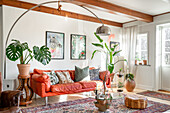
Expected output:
(102, 30)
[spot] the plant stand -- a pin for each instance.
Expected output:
(24, 85)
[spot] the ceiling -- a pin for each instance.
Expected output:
(151, 7)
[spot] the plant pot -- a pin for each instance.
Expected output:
(130, 85)
(103, 104)
(23, 69)
(140, 63)
(145, 62)
(136, 62)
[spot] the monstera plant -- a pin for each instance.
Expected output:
(17, 50)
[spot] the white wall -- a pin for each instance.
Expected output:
(148, 77)
(32, 27)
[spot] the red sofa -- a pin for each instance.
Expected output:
(41, 85)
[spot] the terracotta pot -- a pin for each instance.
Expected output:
(130, 85)
(145, 62)
(23, 69)
(136, 62)
(140, 63)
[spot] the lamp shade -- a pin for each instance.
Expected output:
(103, 30)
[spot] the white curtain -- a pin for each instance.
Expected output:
(129, 46)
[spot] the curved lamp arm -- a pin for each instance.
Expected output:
(12, 27)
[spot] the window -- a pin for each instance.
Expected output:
(141, 56)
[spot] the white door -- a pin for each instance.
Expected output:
(165, 77)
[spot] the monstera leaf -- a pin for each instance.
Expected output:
(14, 51)
(42, 54)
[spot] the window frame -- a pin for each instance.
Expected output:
(147, 36)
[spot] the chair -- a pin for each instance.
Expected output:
(9, 100)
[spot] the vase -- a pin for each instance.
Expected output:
(23, 69)
(103, 104)
(130, 85)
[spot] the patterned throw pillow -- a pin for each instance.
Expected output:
(94, 74)
(67, 75)
(62, 78)
(53, 77)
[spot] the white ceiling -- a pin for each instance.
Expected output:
(152, 7)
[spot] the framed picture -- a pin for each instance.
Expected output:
(55, 42)
(117, 48)
(78, 47)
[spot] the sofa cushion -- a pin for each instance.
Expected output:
(62, 78)
(43, 78)
(80, 74)
(86, 85)
(67, 75)
(94, 74)
(66, 87)
(53, 77)
(72, 74)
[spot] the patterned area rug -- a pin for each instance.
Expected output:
(156, 95)
(87, 106)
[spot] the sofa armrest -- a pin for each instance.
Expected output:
(39, 88)
(41, 78)
(102, 74)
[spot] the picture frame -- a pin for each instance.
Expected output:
(77, 47)
(55, 43)
(112, 43)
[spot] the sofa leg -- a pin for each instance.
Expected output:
(46, 101)
(35, 96)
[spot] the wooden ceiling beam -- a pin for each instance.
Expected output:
(115, 9)
(49, 10)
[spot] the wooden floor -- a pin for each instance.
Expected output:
(62, 98)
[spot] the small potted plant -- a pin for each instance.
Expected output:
(17, 50)
(144, 62)
(129, 82)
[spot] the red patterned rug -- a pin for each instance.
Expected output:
(156, 95)
(87, 106)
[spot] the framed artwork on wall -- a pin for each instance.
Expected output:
(112, 43)
(78, 47)
(55, 42)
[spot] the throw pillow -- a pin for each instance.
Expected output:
(94, 74)
(53, 77)
(62, 78)
(80, 74)
(67, 75)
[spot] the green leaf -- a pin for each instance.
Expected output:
(43, 55)
(116, 52)
(14, 51)
(98, 45)
(94, 53)
(114, 47)
(107, 47)
(111, 68)
(24, 46)
(98, 37)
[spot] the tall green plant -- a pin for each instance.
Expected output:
(103, 47)
(17, 50)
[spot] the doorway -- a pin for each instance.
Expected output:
(165, 57)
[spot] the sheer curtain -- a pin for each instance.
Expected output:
(129, 46)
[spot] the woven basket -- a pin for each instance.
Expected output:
(136, 102)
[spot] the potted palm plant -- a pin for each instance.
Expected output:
(17, 50)
(110, 53)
